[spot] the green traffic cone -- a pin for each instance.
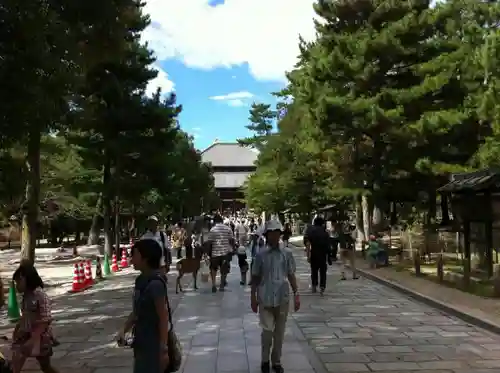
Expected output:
(12, 305)
(107, 268)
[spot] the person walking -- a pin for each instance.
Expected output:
(179, 235)
(332, 229)
(287, 233)
(153, 233)
(348, 252)
(150, 318)
(241, 238)
(318, 251)
(221, 241)
(32, 336)
(272, 272)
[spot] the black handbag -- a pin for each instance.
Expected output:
(174, 346)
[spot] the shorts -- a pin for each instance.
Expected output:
(217, 262)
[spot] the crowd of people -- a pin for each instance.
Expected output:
(219, 239)
(261, 249)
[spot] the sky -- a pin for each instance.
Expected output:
(219, 56)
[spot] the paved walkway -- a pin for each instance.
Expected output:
(359, 326)
(362, 326)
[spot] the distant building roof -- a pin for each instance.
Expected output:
(225, 180)
(472, 181)
(225, 154)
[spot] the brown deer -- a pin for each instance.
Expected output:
(191, 263)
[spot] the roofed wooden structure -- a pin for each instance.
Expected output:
(231, 165)
(475, 200)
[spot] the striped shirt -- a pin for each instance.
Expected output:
(221, 237)
(273, 266)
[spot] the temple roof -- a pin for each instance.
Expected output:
(225, 154)
(472, 181)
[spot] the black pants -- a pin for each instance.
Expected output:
(334, 243)
(318, 267)
(242, 263)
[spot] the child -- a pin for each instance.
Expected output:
(32, 335)
(150, 318)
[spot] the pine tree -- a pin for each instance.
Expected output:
(261, 119)
(375, 84)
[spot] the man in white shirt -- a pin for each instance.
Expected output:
(154, 234)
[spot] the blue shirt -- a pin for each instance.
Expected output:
(273, 266)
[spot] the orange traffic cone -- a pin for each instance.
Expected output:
(114, 264)
(77, 285)
(81, 276)
(89, 281)
(124, 261)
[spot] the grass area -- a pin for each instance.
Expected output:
(479, 285)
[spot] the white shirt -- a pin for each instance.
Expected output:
(157, 237)
(261, 238)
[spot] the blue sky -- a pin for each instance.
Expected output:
(216, 103)
(220, 56)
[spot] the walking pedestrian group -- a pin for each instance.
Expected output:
(149, 329)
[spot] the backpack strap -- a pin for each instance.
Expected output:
(160, 278)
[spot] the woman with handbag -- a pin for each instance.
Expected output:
(156, 347)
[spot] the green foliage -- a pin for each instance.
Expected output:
(389, 100)
(261, 119)
(77, 129)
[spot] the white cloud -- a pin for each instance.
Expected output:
(234, 99)
(233, 96)
(162, 81)
(262, 33)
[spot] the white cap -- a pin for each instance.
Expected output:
(152, 217)
(273, 225)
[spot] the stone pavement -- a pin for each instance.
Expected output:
(359, 326)
(487, 310)
(363, 326)
(85, 324)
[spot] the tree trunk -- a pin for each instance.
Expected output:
(94, 231)
(30, 213)
(360, 232)
(445, 220)
(365, 207)
(431, 206)
(377, 218)
(106, 203)
(117, 226)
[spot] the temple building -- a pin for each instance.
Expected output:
(231, 164)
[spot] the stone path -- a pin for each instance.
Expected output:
(359, 326)
(222, 334)
(362, 326)
(85, 324)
